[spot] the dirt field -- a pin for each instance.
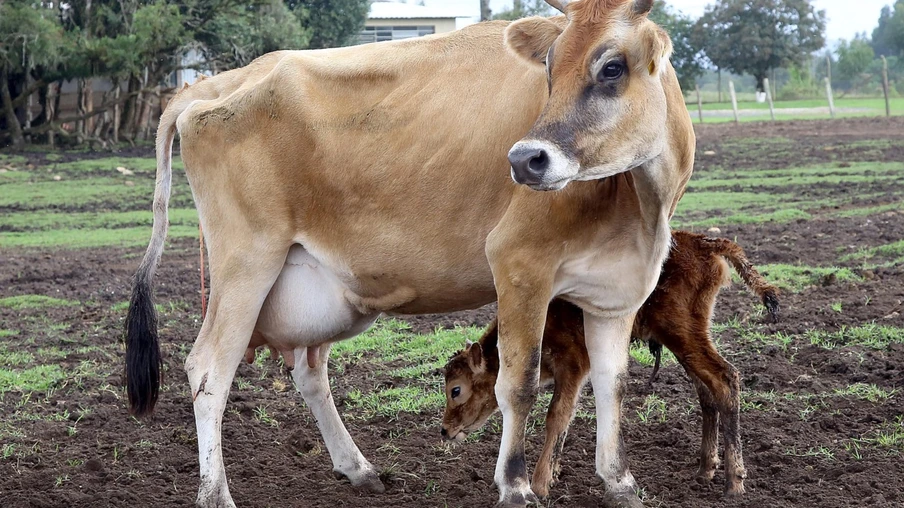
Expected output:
(815, 204)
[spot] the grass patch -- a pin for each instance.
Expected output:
(390, 402)
(15, 358)
(36, 379)
(652, 410)
(870, 335)
(8, 333)
(50, 220)
(798, 277)
(22, 302)
(391, 342)
(868, 210)
(892, 252)
(778, 216)
(641, 353)
(77, 239)
(868, 392)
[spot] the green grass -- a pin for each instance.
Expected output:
(798, 277)
(871, 106)
(35, 379)
(79, 238)
(8, 333)
(391, 343)
(870, 335)
(892, 253)
(22, 302)
(50, 220)
(390, 402)
(868, 392)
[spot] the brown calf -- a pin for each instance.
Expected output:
(677, 315)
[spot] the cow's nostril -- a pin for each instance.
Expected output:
(444, 432)
(539, 162)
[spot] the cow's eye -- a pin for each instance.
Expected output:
(612, 70)
(456, 392)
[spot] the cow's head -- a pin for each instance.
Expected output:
(470, 392)
(606, 112)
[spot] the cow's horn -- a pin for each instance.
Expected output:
(559, 5)
(642, 7)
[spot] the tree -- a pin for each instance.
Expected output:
(888, 36)
(522, 9)
(686, 54)
(332, 22)
(754, 36)
(853, 59)
(29, 37)
(485, 12)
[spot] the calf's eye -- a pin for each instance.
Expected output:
(456, 392)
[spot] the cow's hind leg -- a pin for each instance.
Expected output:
(314, 385)
(240, 280)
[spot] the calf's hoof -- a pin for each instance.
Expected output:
(368, 481)
(621, 500)
(517, 498)
(541, 483)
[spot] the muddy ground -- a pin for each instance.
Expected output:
(803, 445)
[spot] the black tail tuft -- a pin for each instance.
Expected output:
(770, 300)
(656, 351)
(143, 360)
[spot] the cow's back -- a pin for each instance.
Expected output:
(366, 154)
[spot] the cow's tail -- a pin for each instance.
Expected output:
(143, 359)
(749, 274)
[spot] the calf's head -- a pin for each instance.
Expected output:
(470, 391)
(606, 111)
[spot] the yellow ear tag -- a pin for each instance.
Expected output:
(652, 67)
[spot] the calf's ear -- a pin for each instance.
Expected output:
(475, 359)
(531, 38)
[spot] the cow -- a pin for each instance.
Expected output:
(676, 315)
(337, 185)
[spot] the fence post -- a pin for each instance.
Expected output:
(734, 100)
(885, 85)
(699, 103)
(769, 98)
(829, 95)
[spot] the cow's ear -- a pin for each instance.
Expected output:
(475, 359)
(531, 38)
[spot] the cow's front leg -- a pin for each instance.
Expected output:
(607, 344)
(522, 313)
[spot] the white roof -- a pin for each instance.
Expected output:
(395, 10)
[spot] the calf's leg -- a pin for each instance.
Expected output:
(721, 388)
(558, 418)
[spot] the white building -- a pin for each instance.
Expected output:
(390, 21)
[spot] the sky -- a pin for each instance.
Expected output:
(845, 17)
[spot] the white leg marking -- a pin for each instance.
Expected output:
(607, 344)
(314, 386)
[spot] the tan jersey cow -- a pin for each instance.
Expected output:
(336, 185)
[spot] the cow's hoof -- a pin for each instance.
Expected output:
(622, 500)
(734, 489)
(214, 495)
(365, 481)
(517, 498)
